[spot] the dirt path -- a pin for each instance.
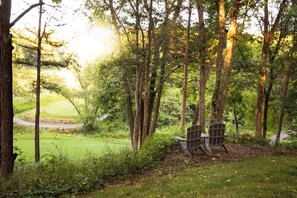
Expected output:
(45, 125)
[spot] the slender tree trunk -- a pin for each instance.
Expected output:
(152, 93)
(266, 101)
(214, 109)
(146, 117)
(265, 50)
(138, 87)
(185, 85)
(286, 87)
(202, 51)
(235, 118)
(196, 114)
(272, 77)
(227, 59)
(166, 32)
(125, 80)
(262, 75)
(6, 107)
(37, 113)
(158, 100)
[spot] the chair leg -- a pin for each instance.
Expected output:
(184, 148)
(224, 147)
(188, 153)
(204, 152)
(206, 146)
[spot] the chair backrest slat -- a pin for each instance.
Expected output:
(193, 137)
(216, 134)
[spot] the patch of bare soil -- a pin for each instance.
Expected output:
(177, 160)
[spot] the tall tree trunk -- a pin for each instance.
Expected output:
(125, 80)
(185, 85)
(272, 77)
(138, 86)
(227, 59)
(6, 111)
(37, 113)
(268, 35)
(262, 75)
(166, 29)
(266, 101)
(214, 109)
(158, 99)
(146, 117)
(202, 51)
(286, 86)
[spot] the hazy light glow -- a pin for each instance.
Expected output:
(90, 45)
(69, 78)
(88, 41)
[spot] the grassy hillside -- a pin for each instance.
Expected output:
(258, 177)
(52, 106)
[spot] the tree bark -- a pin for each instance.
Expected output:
(166, 29)
(227, 59)
(185, 84)
(37, 90)
(6, 107)
(268, 35)
(286, 86)
(235, 118)
(214, 109)
(126, 85)
(138, 87)
(272, 77)
(202, 51)
(146, 118)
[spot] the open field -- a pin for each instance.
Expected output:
(75, 146)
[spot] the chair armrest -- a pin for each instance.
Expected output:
(203, 135)
(180, 138)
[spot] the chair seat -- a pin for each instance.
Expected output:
(193, 140)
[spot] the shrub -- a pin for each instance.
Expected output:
(290, 142)
(247, 138)
(58, 175)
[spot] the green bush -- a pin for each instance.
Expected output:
(248, 138)
(59, 176)
(290, 142)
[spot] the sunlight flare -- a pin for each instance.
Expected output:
(93, 44)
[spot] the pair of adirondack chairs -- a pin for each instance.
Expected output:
(195, 137)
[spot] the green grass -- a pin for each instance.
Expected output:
(74, 146)
(52, 106)
(58, 110)
(21, 105)
(259, 177)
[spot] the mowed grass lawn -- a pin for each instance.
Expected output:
(59, 110)
(258, 177)
(74, 146)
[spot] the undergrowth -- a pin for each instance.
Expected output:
(59, 176)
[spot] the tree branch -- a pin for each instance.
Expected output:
(24, 13)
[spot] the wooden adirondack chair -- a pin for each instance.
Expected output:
(193, 141)
(216, 137)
